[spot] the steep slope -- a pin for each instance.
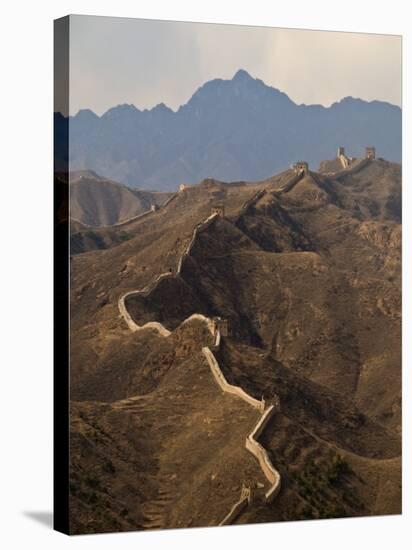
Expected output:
(185, 437)
(309, 282)
(229, 129)
(295, 295)
(96, 201)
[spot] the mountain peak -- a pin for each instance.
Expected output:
(86, 114)
(124, 109)
(242, 76)
(161, 108)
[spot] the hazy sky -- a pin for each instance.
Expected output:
(117, 60)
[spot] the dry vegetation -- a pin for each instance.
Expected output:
(310, 283)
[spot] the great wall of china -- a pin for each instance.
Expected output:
(351, 165)
(118, 224)
(351, 169)
(286, 187)
(153, 208)
(251, 443)
(252, 440)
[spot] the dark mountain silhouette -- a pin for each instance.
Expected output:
(229, 129)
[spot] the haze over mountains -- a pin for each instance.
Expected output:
(96, 201)
(238, 129)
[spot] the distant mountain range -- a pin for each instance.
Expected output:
(238, 129)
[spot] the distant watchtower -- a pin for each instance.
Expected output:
(182, 187)
(245, 493)
(341, 152)
(370, 153)
(219, 209)
(301, 166)
(154, 207)
(222, 325)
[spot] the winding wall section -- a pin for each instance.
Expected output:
(344, 161)
(252, 444)
(351, 168)
(290, 183)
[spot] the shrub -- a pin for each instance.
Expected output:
(92, 482)
(337, 469)
(109, 467)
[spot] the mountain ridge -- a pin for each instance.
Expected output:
(229, 130)
(306, 282)
(235, 78)
(97, 201)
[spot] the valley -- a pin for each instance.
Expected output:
(299, 276)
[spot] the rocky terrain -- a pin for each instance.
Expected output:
(308, 278)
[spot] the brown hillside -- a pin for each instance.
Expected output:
(95, 201)
(309, 281)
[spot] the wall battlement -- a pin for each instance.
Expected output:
(183, 187)
(218, 209)
(352, 164)
(224, 384)
(370, 153)
(301, 166)
(222, 325)
(352, 168)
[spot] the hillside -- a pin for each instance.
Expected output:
(97, 201)
(229, 130)
(306, 271)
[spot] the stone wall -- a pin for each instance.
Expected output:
(153, 208)
(133, 326)
(300, 166)
(252, 201)
(344, 161)
(169, 200)
(252, 445)
(151, 286)
(290, 183)
(199, 227)
(370, 153)
(352, 168)
(235, 511)
(132, 219)
(224, 384)
(118, 224)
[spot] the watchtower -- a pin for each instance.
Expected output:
(182, 187)
(245, 493)
(222, 325)
(219, 209)
(370, 153)
(341, 152)
(154, 207)
(301, 166)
